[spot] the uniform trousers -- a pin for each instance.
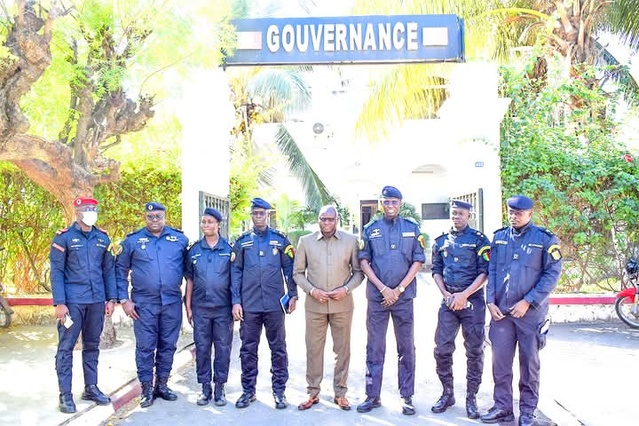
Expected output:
(472, 322)
(89, 319)
(156, 334)
(250, 332)
(505, 335)
(316, 327)
(376, 324)
(212, 326)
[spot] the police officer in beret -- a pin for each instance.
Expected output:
(82, 280)
(391, 254)
(208, 306)
(460, 267)
(261, 268)
(154, 256)
(525, 265)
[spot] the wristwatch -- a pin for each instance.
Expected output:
(348, 290)
(113, 300)
(123, 301)
(401, 288)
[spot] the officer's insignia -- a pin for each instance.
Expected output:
(554, 252)
(422, 241)
(58, 247)
(114, 249)
(61, 231)
(484, 252)
(360, 244)
(289, 251)
(376, 233)
(75, 240)
(274, 251)
(171, 238)
(232, 256)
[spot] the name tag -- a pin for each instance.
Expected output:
(408, 234)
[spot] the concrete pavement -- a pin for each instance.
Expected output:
(589, 377)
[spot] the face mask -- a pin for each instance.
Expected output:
(89, 218)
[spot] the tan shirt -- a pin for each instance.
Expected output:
(327, 264)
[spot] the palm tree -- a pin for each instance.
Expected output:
(495, 30)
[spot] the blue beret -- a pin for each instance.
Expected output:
(152, 206)
(520, 202)
(210, 211)
(260, 204)
(458, 204)
(391, 192)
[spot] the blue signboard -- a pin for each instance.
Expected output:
(352, 39)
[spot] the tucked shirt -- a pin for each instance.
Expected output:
(327, 264)
(460, 257)
(524, 264)
(261, 265)
(391, 247)
(210, 270)
(82, 268)
(156, 265)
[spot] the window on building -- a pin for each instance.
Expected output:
(431, 211)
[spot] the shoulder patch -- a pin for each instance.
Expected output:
(422, 241)
(289, 251)
(360, 244)
(58, 247)
(233, 256)
(555, 252)
(115, 249)
(484, 253)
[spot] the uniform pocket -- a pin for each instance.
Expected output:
(542, 332)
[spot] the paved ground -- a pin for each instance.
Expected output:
(589, 377)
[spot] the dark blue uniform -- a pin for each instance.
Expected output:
(524, 264)
(82, 278)
(210, 270)
(262, 265)
(391, 247)
(156, 265)
(459, 258)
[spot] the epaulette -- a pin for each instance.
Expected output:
(410, 219)
(191, 244)
(176, 229)
(479, 233)
(547, 231)
(278, 232)
(134, 232)
(501, 229)
(61, 231)
(368, 225)
(102, 230)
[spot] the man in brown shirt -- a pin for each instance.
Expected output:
(327, 269)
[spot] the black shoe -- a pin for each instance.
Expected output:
(219, 396)
(162, 390)
(92, 393)
(66, 404)
(527, 420)
(206, 395)
(146, 397)
(369, 404)
(408, 409)
(245, 400)
(280, 401)
(471, 406)
(496, 415)
(446, 400)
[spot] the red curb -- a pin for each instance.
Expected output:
(126, 394)
(29, 301)
(582, 299)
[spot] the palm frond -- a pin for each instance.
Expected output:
(284, 87)
(622, 19)
(620, 74)
(316, 193)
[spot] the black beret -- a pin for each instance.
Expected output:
(520, 202)
(210, 211)
(152, 206)
(260, 204)
(391, 192)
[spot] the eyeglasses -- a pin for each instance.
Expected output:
(154, 217)
(390, 202)
(87, 209)
(327, 219)
(258, 214)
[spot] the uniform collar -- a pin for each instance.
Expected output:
(453, 231)
(205, 245)
(260, 233)
(521, 230)
(321, 236)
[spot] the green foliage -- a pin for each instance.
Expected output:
(406, 210)
(560, 147)
(294, 236)
(29, 217)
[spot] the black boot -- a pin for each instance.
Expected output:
(92, 393)
(446, 400)
(66, 403)
(205, 396)
(162, 390)
(146, 397)
(471, 406)
(219, 396)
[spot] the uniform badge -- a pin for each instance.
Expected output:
(261, 253)
(143, 247)
(422, 241)
(555, 252)
(360, 244)
(289, 251)
(274, 251)
(484, 253)
(232, 256)
(58, 247)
